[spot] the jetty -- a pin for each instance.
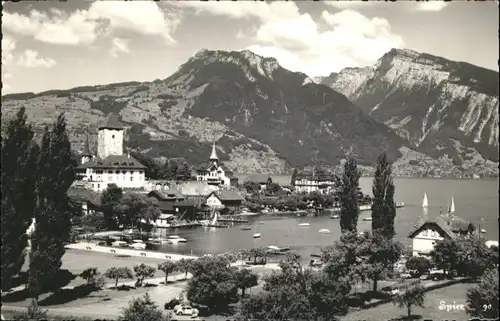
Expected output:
(227, 219)
(184, 225)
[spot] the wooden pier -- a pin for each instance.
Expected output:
(232, 220)
(218, 225)
(185, 225)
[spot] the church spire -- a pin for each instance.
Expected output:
(86, 146)
(213, 156)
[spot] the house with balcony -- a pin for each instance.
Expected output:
(312, 181)
(228, 199)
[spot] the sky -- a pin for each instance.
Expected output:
(59, 45)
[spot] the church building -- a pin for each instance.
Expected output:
(110, 165)
(214, 174)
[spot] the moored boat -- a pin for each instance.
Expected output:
(425, 202)
(246, 228)
(367, 218)
(335, 216)
(256, 235)
(304, 224)
(324, 231)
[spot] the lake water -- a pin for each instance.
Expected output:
(475, 201)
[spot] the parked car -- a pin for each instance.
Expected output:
(406, 276)
(425, 276)
(185, 309)
(170, 305)
(390, 290)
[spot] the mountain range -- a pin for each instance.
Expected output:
(418, 108)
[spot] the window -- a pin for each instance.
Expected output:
(131, 178)
(425, 233)
(110, 178)
(112, 136)
(110, 172)
(98, 185)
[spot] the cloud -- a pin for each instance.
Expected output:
(119, 45)
(83, 27)
(351, 40)
(296, 40)
(432, 6)
(31, 59)
(350, 4)
(8, 46)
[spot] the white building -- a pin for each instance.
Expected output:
(214, 174)
(426, 233)
(110, 165)
(312, 181)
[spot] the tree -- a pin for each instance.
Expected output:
(19, 156)
(412, 295)
(419, 264)
(93, 278)
(383, 206)
(168, 268)
(482, 300)
(152, 167)
(169, 170)
(184, 172)
(252, 187)
(380, 257)
(57, 172)
(474, 257)
(134, 208)
(294, 177)
(142, 309)
(34, 313)
(184, 265)
(272, 188)
(117, 273)
(446, 255)
(297, 293)
(245, 279)
(213, 283)
(93, 222)
(110, 201)
(347, 194)
(143, 271)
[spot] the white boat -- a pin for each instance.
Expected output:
(304, 224)
(264, 211)
(256, 235)
(491, 243)
(119, 244)
(273, 249)
(204, 222)
(452, 207)
(367, 218)
(425, 202)
(138, 245)
(483, 230)
(158, 241)
(175, 239)
(324, 231)
(400, 204)
(335, 216)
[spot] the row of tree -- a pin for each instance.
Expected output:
(35, 179)
(169, 170)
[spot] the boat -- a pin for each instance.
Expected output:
(452, 206)
(400, 204)
(304, 224)
(157, 241)
(367, 218)
(425, 202)
(272, 249)
(261, 222)
(138, 245)
(483, 230)
(204, 222)
(256, 235)
(175, 239)
(119, 244)
(335, 216)
(214, 222)
(246, 228)
(324, 231)
(264, 211)
(247, 213)
(316, 255)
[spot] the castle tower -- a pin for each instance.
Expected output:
(110, 138)
(213, 157)
(86, 154)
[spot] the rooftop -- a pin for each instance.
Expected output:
(114, 162)
(111, 122)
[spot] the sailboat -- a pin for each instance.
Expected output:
(452, 206)
(425, 203)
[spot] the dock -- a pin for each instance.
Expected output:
(232, 220)
(184, 225)
(217, 225)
